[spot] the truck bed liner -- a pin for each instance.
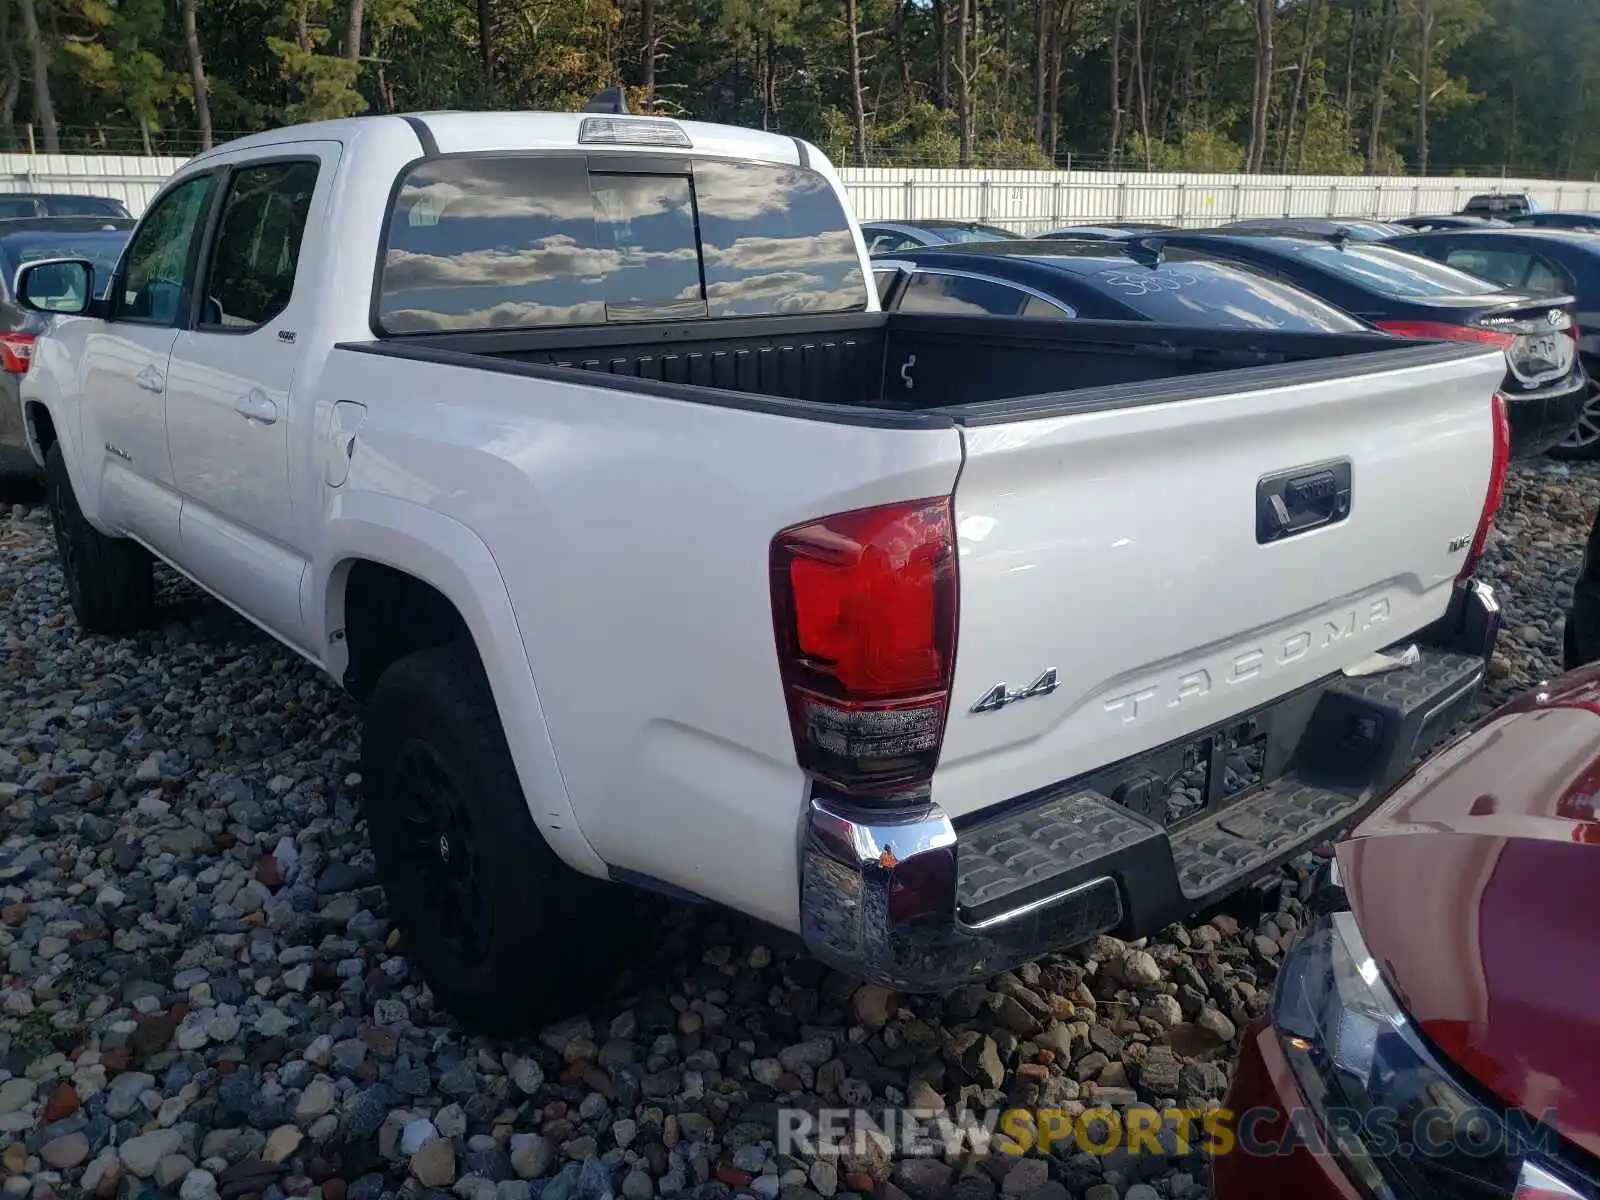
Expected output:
(899, 368)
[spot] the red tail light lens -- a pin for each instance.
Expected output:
(1498, 467)
(16, 351)
(1440, 331)
(864, 608)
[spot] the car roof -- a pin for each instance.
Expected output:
(26, 237)
(1573, 237)
(64, 224)
(1061, 254)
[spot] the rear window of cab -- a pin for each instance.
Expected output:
(524, 242)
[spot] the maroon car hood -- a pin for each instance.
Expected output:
(1477, 887)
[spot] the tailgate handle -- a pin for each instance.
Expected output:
(1302, 499)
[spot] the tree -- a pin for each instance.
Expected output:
(199, 88)
(1262, 102)
(44, 109)
(858, 103)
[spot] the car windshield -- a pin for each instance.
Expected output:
(1391, 272)
(1201, 292)
(101, 249)
(972, 233)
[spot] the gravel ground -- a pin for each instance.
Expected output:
(202, 995)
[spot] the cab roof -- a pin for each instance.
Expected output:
(488, 132)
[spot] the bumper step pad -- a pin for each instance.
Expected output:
(1215, 853)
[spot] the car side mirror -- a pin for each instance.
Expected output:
(57, 286)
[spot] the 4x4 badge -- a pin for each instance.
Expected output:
(1000, 695)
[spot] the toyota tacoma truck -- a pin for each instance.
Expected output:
(577, 448)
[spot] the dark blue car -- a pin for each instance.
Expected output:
(1412, 296)
(1546, 261)
(1128, 280)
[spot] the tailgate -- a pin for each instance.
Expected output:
(1136, 547)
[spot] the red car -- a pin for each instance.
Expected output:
(1436, 1031)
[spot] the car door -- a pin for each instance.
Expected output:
(124, 367)
(230, 377)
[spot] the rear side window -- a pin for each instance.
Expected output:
(1389, 272)
(520, 242)
(16, 206)
(258, 245)
(1222, 296)
(929, 292)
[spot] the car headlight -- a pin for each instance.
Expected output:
(1383, 1101)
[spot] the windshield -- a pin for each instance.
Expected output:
(1219, 295)
(101, 249)
(1391, 272)
(973, 233)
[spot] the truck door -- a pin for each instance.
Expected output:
(125, 361)
(228, 388)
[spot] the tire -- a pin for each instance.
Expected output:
(1583, 443)
(507, 935)
(110, 581)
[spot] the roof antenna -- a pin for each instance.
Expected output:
(612, 100)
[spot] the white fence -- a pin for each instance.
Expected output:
(1026, 201)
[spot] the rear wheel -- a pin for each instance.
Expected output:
(506, 934)
(110, 581)
(1583, 443)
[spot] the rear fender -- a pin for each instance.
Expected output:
(451, 558)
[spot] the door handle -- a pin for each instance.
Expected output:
(256, 405)
(151, 380)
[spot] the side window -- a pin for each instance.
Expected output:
(1048, 309)
(17, 206)
(885, 279)
(152, 289)
(885, 243)
(929, 293)
(1504, 267)
(251, 275)
(1547, 278)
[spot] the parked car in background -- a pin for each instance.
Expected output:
(1538, 261)
(985, 610)
(1501, 204)
(1100, 280)
(1413, 296)
(47, 204)
(25, 241)
(882, 236)
(1113, 230)
(1558, 220)
(1360, 230)
(1433, 1022)
(1449, 221)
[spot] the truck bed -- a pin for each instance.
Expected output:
(917, 369)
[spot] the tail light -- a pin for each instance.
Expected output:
(16, 351)
(864, 609)
(1441, 331)
(1497, 485)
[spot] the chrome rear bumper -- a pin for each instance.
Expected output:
(902, 897)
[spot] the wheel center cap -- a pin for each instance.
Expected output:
(444, 848)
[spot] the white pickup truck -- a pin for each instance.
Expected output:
(577, 447)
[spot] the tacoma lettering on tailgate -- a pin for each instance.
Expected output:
(1246, 665)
